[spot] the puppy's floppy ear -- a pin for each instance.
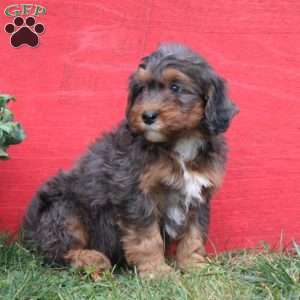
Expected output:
(219, 110)
(133, 87)
(131, 93)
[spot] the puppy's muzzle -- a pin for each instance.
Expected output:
(149, 117)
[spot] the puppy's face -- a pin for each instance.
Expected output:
(166, 103)
(171, 94)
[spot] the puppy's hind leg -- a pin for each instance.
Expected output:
(82, 258)
(57, 228)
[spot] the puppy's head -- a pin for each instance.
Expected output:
(174, 91)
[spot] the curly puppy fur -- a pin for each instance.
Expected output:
(149, 182)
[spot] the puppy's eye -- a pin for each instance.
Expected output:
(136, 90)
(174, 87)
(140, 88)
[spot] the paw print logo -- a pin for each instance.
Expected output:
(24, 33)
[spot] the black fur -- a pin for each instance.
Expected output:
(219, 110)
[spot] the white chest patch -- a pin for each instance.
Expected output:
(190, 191)
(187, 149)
(193, 184)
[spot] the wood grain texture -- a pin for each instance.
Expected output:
(73, 87)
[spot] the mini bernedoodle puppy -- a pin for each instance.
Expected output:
(146, 184)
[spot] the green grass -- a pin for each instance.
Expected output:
(243, 275)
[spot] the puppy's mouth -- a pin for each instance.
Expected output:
(154, 135)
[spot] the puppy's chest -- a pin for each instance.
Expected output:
(183, 188)
(180, 197)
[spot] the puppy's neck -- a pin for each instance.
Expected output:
(188, 146)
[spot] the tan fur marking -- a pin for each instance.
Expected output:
(171, 74)
(162, 171)
(89, 259)
(171, 120)
(77, 230)
(214, 174)
(144, 249)
(190, 249)
(176, 120)
(143, 75)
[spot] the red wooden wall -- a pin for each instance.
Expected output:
(73, 87)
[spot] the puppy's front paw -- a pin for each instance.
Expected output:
(154, 272)
(195, 262)
(84, 259)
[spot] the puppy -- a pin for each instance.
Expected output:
(146, 184)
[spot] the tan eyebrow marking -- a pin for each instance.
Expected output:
(143, 75)
(171, 74)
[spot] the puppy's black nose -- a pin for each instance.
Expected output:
(149, 117)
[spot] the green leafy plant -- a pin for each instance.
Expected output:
(11, 132)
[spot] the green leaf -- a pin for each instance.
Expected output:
(6, 115)
(2, 138)
(16, 135)
(3, 154)
(4, 99)
(10, 132)
(6, 127)
(13, 133)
